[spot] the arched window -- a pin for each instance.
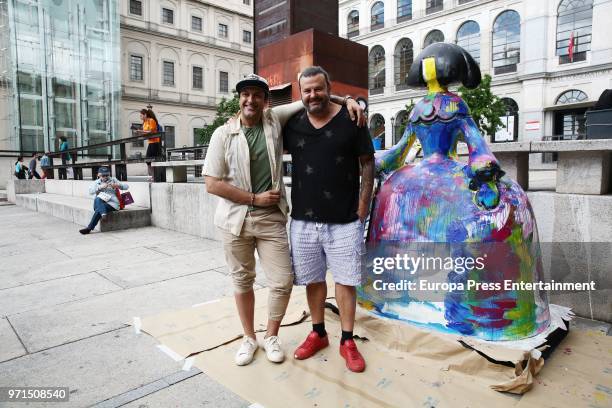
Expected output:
(511, 106)
(399, 125)
(574, 28)
(468, 37)
(352, 25)
(509, 132)
(377, 70)
(404, 10)
(402, 61)
(433, 36)
(570, 122)
(572, 96)
(506, 42)
(378, 16)
(377, 131)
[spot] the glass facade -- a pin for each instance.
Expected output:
(60, 74)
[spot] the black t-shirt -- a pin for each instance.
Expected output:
(325, 169)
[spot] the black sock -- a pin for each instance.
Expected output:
(320, 329)
(346, 335)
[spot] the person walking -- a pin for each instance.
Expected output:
(66, 158)
(243, 166)
(32, 167)
(151, 125)
(329, 206)
(105, 191)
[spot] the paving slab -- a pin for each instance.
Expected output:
(45, 294)
(25, 246)
(159, 270)
(43, 328)
(10, 346)
(171, 245)
(197, 391)
(26, 260)
(582, 324)
(149, 236)
(94, 369)
(185, 246)
(91, 244)
(118, 259)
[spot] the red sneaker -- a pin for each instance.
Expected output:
(354, 359)
(310, 346)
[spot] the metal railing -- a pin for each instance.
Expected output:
(111, 159)
(188, 153)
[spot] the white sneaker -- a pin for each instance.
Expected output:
(245, 353)
(274, 352)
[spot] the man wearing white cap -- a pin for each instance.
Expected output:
(243, 166)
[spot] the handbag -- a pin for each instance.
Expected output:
(127, 198)
(120, 198)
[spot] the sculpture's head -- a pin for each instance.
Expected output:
(442, 64)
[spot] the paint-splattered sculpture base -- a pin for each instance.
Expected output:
(431, 202)
(437, 201)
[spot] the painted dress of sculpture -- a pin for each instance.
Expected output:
(468, 210)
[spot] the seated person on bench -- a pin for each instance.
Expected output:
(106, 197)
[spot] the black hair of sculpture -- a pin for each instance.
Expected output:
(453, 64)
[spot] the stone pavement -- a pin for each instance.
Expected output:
(66, 299)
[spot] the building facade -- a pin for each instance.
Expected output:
(182, 57)
(549, 59)
(59, 73)
(85, 69)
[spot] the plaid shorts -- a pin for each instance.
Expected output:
(317, 247)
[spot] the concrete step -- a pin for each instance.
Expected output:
(3, 196)
(79, 211)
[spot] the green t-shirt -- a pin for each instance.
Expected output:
(261, 178)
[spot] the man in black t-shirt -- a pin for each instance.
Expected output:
(328, 209)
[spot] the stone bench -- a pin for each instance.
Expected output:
(79, 210)
(70, 200)
(584, 166)
(176, 170)
(513, 158)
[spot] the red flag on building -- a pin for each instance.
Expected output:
(570, 47)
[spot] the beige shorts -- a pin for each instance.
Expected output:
(263, 230)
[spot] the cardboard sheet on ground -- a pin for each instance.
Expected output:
(208, 325)
(405, 366)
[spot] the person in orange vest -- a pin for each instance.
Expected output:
(150, 125)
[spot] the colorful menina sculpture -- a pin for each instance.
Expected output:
(470, 211)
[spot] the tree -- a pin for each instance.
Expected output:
(225, 110)
(402, 126)
(485, 107)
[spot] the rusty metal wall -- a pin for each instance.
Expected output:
(346, 62)
(276, 20)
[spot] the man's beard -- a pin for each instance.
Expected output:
(323, 103)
